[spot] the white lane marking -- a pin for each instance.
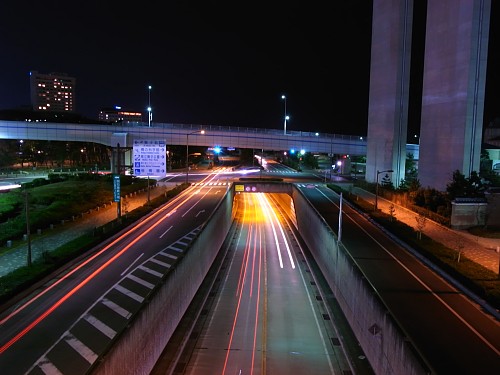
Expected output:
(164, 233)
(131, 265)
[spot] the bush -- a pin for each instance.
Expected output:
(59, 199)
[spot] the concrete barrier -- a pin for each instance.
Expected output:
(385, 345)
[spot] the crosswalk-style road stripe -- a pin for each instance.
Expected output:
(178, 249)
(48, 368)
(129, 293)
(157, 261)
(150, 271)
(81, 348)
(104, 328)
(140, 281)
(118, 309)
(205, 184)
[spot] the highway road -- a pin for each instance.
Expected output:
(451, 332)
(266, 315)
(64, 325)
(80, 311)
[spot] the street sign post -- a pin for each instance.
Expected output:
(116, 188)
(116, 194)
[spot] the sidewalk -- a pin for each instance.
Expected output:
(478, 249)
(47, 241)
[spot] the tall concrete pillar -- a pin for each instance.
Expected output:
(456, 47)
(389, 88)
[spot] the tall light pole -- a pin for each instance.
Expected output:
(28, 233)
(376, 186)
(150, 111)
(285, 116)
(187, 151)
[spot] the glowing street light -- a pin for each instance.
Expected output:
(286, 116)
(150, 111)
(187, 151)
(376, 185)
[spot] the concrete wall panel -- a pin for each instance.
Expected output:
(456, 48)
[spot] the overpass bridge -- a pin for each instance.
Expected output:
(120, 137)
(181, 134)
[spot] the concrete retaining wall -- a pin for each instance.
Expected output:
(377, 332)
(467, 215)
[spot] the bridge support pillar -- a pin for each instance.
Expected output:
(389, 88)
(454, 81)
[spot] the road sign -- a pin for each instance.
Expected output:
(116, 188)
(149, 157)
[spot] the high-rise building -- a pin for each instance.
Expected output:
(53, 92)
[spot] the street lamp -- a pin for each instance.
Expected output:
(286, 117)
(376, 185)
(150, 113)
(187, 151)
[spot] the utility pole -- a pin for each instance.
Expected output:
(148, 191)
(28, 234)
(117, 181)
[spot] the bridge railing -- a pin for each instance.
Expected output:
(239, 129)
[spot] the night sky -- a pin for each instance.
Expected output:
(218, 63)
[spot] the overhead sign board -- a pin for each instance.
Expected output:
(116, 188)
(149, 157)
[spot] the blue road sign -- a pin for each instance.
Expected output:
(116, 188)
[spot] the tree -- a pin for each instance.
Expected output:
(421, 221)
(8, 152)
(460, 247)
(386, 182)
(462, 187)
(485, 162)
(392, 211)
(310, 161)
(410, 182)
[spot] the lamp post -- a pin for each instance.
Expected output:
(376, 186)
(286, 117)
(28, 234)
(150, 113)
(187, 151)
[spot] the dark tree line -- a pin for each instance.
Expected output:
(52, 154)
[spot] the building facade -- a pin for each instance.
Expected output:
(117, 114)
(53, 92)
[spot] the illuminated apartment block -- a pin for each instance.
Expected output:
(53, 92)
